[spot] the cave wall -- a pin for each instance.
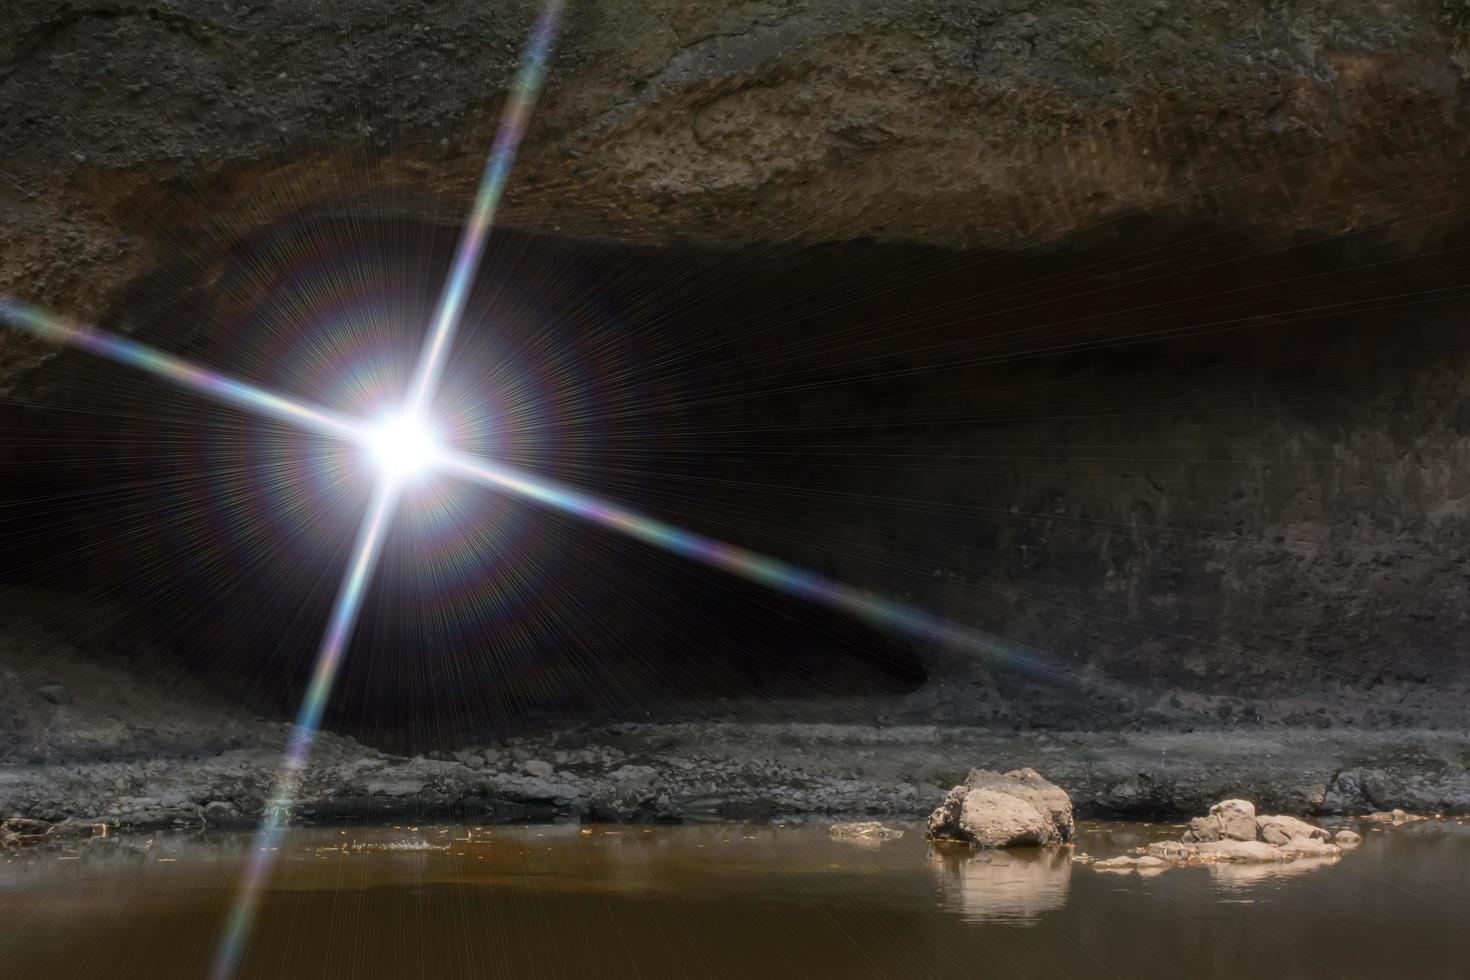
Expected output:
(946, 358)
(127, 128)
(1182, 463)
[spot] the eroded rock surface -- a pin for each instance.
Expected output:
(1013, 809)
(916, 120)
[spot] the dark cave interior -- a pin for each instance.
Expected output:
(1068, 448)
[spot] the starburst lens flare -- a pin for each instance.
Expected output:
(403, 446)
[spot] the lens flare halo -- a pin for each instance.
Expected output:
(404, 445)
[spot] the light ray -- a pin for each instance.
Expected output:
(767, 571)
(430, 366)
(64, 330)
(308, 719)
(492, 185)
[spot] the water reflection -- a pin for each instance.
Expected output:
(1012, 886)
(1243, 877)
(724, 901)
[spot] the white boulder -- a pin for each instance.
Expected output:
(1013, 809)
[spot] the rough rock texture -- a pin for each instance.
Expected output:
(864, 830)
(1230, 820)
(142, 749)
(1251, 520)
(1277, 829)
(1196, 546)
(1014, 809)
(1242, 851)
(124, 126)
(1236, 819)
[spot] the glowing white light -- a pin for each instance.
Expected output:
(403, 446)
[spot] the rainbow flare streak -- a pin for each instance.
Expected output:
(748, 564)
(529, 78)
(308, 719)
(751, 565)
(64, 330)
(492, 186)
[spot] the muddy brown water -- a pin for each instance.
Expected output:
(731, 901)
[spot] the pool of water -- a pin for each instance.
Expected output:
(731, 901)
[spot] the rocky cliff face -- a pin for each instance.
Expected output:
(126, 127)
(1157, 368)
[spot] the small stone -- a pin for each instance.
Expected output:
(21, 831)
(866, 829)
(1348, 838)
(218, 813)
(1168, 850)
(538, 768)
(1120, 863)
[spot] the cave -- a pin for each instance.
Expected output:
(796, 411)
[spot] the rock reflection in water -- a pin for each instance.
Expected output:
(1012, 885)
(1228, 877)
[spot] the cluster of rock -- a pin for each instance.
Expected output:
(1013, 809)
(1234, 832)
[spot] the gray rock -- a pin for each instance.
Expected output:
(218, 813)
(538, 768)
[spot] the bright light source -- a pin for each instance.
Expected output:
(403, 446)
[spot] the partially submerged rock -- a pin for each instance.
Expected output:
(1393, 817)
(864, 830)
(1169, 850)
(21, 832)
(1310, 847)
(1282, 829)
(1147, 864)
(1013, 809)
(1240, 852)
(1225, 836)
(1347, 838)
